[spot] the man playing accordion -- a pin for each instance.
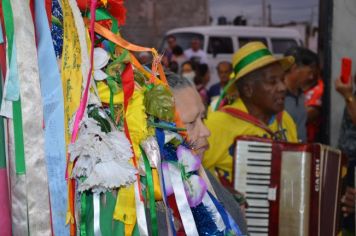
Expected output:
(258, 111)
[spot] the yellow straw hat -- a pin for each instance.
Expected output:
(253, 56)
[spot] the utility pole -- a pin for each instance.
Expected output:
(269, 13)
(263, 12)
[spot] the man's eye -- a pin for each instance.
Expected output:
(190, 123)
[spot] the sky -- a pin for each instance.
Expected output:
(283, 11)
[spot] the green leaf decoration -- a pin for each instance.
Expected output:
(99, 115)
(113, 85)
(159, 103)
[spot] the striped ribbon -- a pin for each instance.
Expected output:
(53, 109)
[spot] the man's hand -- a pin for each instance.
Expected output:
(344, 89)
(348, 201)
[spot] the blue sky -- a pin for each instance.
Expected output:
(282, 10)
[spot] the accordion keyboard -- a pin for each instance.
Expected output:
(252, 177)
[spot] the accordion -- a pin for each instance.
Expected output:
(291, 189)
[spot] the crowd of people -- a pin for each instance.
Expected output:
(273, 98)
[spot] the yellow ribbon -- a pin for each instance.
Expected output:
(71, 82)
(125, 208)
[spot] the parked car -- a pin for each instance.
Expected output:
(220, 42)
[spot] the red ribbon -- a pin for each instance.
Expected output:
(128, 84)
(2, 46)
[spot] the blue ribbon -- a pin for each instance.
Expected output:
(228, 220)
(12, 90)
(53, 110)
(1, 35)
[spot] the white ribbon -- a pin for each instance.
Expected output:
(140, 212)
(36, 173)
(96, 200)
(18, 189)
(186, 214)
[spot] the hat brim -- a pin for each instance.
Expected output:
(285, 62)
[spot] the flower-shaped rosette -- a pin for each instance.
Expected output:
(194, 186)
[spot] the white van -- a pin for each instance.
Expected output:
(220, 42)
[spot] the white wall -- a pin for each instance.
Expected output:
(343, 45)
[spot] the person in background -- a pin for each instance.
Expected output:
(303, 70)
(195, 53)
(178, 56)
(188, 71)
(347, 144)
(224, 69)
(174, 67)
(171, 42)
(260, 104)
(313, 89)
(201, 79)
(144, 58)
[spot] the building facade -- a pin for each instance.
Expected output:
(148, 20)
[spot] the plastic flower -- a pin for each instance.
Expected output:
(194, 186)
(101, 158)
(101, 59)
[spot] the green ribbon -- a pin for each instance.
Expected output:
(103, 14)
(113, 89)
(151, 193)
(83, 214)
(16, 107)
(251, 58)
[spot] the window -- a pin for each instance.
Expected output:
(245, 40)
(280, 46)
(184, 40)
(220, 45)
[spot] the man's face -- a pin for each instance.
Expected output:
(192, 112)
(195, 44)
(224, 71)
(171, 42)
(306, 74)
(269, 91)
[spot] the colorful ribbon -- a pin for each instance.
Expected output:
(190, 227)
(5, 218)
(52, 96)
(31, 107)
(18, 189)
(16, 105)
(151, 193)
(96, 202)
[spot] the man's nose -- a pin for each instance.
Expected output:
(204, 131)
(281, 87)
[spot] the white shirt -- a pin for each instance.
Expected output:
(198, 56)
